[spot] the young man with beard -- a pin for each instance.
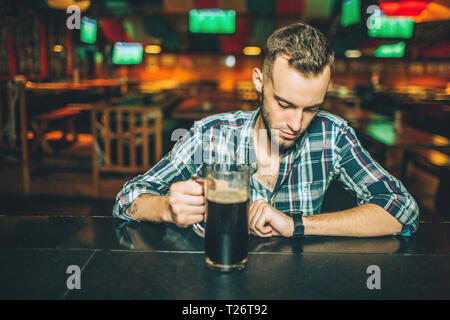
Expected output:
(294, 150)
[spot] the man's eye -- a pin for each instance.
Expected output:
(313, 109)
(284, 106)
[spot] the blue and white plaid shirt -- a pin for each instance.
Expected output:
(329, 149)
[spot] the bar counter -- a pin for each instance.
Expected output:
(121, 260)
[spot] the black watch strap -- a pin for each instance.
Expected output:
(299, 229)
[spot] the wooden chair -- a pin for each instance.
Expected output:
(60, 118)
(121, 137)
(436, 163)
(16, 138)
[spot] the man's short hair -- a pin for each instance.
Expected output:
(305, 47)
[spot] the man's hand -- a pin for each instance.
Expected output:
(266, 221)
(186, 203)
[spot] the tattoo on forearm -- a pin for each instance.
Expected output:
(132, 210)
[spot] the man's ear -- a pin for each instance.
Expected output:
(257, 79)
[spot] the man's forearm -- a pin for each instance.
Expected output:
(368, 220)
(148, 207)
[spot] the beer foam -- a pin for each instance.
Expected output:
(227, 196)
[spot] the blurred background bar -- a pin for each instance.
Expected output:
(92, 92)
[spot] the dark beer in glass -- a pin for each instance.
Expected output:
(227, 191)
(226, 237)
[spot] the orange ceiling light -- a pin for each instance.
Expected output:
(58, 48)
(433, 12)
(153, 49)
(252, 51)
(64, 4)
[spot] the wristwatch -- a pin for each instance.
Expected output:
(299, 228)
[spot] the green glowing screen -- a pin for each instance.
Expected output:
(351, 12)
(385, 27)
(382, 131)
(127, 53)
(396, 50)
(212, 21)
(88, 32)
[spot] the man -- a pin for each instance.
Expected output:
(295, 150)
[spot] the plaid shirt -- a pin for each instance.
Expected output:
(329, 149)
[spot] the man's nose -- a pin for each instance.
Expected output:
(295, 121)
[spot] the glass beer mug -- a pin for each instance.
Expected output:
(227, 193)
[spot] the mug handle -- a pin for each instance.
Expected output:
(198, 228)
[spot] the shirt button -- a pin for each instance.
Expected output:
(253, 165)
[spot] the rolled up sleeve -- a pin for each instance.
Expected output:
(372, 183)
(178, 165)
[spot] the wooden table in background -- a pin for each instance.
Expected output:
(380, 129)
(84, 85)
(49, 88)
(196, 109)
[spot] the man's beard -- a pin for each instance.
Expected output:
(274, 136)
(265, 116)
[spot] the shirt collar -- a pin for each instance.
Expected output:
(246, 149)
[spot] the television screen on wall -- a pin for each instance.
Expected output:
(88, 33)
(126, 53)
(392, 27)
(351, 13)
(212, 21)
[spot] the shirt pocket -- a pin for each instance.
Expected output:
(311, 195)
